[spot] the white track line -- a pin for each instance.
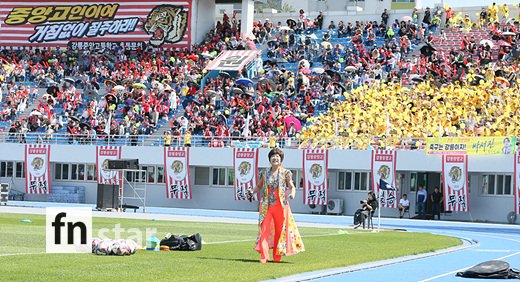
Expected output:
(20, 254)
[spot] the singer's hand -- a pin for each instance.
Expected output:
(293, 194)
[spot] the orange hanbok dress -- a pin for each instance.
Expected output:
(274, 208)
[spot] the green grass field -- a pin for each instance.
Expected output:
(218, 260)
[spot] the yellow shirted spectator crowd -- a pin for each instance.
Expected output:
(393, 116)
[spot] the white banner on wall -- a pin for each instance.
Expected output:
(455, 180)
(315, 176)
(245, 162)
(177, 172)
(104, 175)
(37, 169)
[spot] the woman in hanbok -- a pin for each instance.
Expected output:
(277, 229)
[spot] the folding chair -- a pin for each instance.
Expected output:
(369, 220)
(406, 211)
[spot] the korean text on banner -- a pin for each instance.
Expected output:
(471, 145)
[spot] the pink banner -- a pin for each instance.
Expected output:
(37, 169)
(315, 176)
(177, 172)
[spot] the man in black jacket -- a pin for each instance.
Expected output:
(436, 197)
(427, 20)
(384, 17)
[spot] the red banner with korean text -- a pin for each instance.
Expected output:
(383, 177)
(517, 183)
(105, 175)
(455, 181)
(315, 176)
(177, 172)
(91, 24)
(37, 169)
(245, 162)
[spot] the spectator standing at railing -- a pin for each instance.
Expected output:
(167, 138)
(319, 20)
(384, 17)
(427, 19)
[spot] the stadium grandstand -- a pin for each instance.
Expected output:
(385, 81)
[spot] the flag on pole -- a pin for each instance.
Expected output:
(108, 124)
(517, 182)
(383, 177)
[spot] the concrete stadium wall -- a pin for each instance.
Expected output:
(483, 207)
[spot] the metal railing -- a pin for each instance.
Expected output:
(202, 141)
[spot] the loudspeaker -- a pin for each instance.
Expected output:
(4, 193)
(123, 164)
(107, 196)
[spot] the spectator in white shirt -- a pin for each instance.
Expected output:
(404, 205)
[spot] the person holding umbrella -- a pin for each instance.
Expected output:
(276, 188)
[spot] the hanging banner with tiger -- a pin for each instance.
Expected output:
(315, 176)
(130, 25)
(383, 177)
(245, 163)
(177, 172)
(517, 183)
(37, 169)
(105, 175)
(455, 181)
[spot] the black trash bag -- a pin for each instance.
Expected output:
(493, 269)
(182, 243)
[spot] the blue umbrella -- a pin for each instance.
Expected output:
(245, 82)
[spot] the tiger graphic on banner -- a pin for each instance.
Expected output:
(166, 24)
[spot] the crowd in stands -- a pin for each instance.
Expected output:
(353, 83)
